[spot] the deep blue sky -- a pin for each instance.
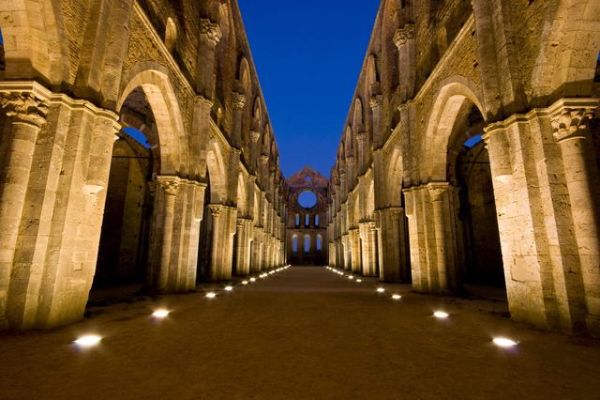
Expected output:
(308, 55)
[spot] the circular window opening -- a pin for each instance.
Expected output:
(307, 199)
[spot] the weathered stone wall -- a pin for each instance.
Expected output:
(522, 73)
(76, 73)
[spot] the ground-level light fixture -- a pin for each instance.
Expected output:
(380, 290)
(211, 295)
(359, 280)
(228, 288)
(245, 283)
(504, 342)
(161, 313)
(252, 280)
(396, 297)
(87, 341)
(441, 314)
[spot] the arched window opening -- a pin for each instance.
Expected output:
(319, 243)
(295, 244)
(307, 244)
(170, 35)
(317, 220)
(2, 59)
(297, 220)
(307, 220)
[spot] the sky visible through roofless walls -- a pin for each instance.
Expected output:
(308, 55)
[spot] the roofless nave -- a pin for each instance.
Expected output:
(470, 155)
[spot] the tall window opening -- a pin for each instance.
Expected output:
(319, 243)
(307, 244)
(295, 244)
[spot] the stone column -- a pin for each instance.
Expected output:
(26, 114)
(438, 193)
(404, 39)
(355, 251)
(244, 226)
(210, 35)
(224, 223)
(347, 253)
(571, 125)
(368, 234)
(392, 257)
(170, 187)
(361, 138)
(378, 136)
(238, 103)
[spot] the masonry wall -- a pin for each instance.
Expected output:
(522, 75)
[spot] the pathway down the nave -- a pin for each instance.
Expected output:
(302, 333)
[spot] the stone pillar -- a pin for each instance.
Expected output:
(210, 35)
(26, 114)
(224, 223)
(355, 251)
(170, 187)
(347, 252)
(244, 227)
(392, 257)
(361, 138)
(439, 193)
(368, 235)
(514, 162)
(378, 134)
(238, 103)
(404, 39)
(571, 123)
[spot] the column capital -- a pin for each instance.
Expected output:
(238, 101)
(437, 190)
(404, 34)
(361, 137)
(210, 31)
(254, 136)
(170, 184)
(24, 107)
(572, 122)
(375, 102)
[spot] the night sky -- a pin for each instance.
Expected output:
(308, 55)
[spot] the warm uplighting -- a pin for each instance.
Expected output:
(396, 297)
(380, 290)
(252, 280)
(441, 314)
(359, 280)
(228, 288)
(350, 277)
(245, 283)
(87, 341)
(504, 342)
(211, 295)
(161, 313)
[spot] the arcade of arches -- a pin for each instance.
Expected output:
(469, 162)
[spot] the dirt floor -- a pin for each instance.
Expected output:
(304, 333)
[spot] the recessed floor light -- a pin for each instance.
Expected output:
(87, 341)
(228, 288)
(504, 342)
(244, 282)
(211, 295)
(161, 313)
(441, 314)
(396, 297)
(359, 280)
(380, 290)
(252, 279)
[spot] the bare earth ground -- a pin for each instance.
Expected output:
(305, 333)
